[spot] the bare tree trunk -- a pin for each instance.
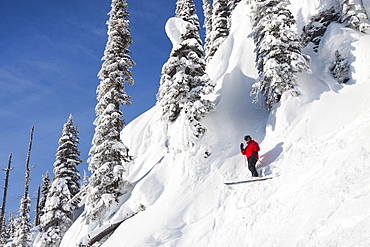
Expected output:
(2, 215)
(28, 169)
(25, 230)
(37, 219)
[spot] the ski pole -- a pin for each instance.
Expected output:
(262, 162)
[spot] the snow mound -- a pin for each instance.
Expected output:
(174, 28)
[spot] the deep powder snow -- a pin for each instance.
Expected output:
(316, 146)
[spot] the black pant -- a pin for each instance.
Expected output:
(252, 166)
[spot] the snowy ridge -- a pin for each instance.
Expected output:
(316, 146)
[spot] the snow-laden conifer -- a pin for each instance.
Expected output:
(108, 153)
(85, 180)
(12, 226)
(56, 216)
(207, 12)
(220, 26)
(232, 4)
(352, 13)
(22, 231)
(184, 80)
(67, 157)
(340, 69)
(45, 187)
(278, 50)
(316, 28)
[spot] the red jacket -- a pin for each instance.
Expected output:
(252, 146)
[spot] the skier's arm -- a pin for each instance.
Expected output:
(254, 155)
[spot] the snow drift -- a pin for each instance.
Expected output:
(316, 146)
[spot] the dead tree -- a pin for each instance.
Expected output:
(37, 219)
(23, 232)
(7, 171)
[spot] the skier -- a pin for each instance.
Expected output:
(251, 153)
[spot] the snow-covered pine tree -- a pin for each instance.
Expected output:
(108, 153)
(22, 233)
(278, 50)
(12, 226)
(67, 157)
(85, 180)
(352, 13)
(232, 4)
(220, 26)
(207, 12)
(45, 187)
(340, 69)
(56, 217)
(316, 28)
(184, 80)
(4, 236)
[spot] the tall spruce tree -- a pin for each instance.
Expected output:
(220, 26)
(278, 50)
(57, 217)
(67, 157)
(108, 153)
(207, 11)
(184, 80)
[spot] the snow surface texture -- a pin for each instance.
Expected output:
(316, 146)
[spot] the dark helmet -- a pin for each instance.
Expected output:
(247, 138)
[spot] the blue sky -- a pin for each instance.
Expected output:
(50, 56)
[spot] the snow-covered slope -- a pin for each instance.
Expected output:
(316, 146)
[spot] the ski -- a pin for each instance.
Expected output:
(248, 181)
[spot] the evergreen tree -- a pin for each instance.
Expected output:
(22, 222)
(232, 4)
(57, 217)
(67, 157)
(85, 180)
(278, 50)
(45, 187)
(207, 11)
(108, 153)
(12, 226)
(353, 14)
(184, 80)
(220, 26)
(316, 28)
(340, 69)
